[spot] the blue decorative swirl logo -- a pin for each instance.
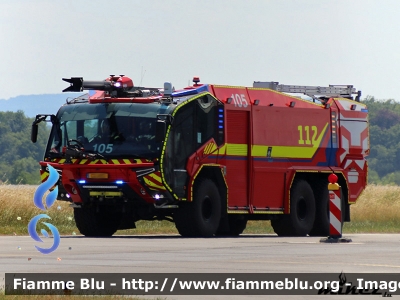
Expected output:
(41, 190)
(50, 199)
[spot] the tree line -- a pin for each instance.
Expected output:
(19, 157)
(384, 131)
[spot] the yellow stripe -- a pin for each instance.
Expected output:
(152, 184)
(293, 152)
(222, 150)
(44, 175)
(210, 148)
(259, 150)
(236, 149)
(207, 149)
(115, 161)
(231, 212)
(83, 161)
(95, 161)
(106, 194)
(277, 151)
(155, 177)
(268, 212)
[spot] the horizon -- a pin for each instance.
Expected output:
(235, 42)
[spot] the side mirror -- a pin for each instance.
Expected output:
(34, 132)
(161, 128)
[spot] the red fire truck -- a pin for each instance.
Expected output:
(207, 157)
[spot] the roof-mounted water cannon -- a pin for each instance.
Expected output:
(121, 81)
(113, 84)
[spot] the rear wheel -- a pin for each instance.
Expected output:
(237, 224)
(321, 223)
(302, 212)
(322, 212)
(91, 222)
(200, 217)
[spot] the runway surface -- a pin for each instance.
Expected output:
(367, 253)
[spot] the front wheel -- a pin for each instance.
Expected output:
(200, 217)
(97, 222)
(234, 226)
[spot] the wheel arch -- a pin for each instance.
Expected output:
(216, 173)
(314, 177)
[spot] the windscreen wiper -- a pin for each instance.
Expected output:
(75, 149)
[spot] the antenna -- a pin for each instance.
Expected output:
(142, 76)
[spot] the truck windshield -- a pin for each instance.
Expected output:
(114, 130)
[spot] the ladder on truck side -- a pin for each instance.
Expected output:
(319, 93)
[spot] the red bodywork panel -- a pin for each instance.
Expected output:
(270, 136)
(116, 170)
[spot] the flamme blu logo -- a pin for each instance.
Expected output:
(50, 199)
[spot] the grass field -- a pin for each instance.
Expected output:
(377, 211)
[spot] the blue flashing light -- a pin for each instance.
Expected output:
(220, 121)
(220, 110)
(203, 88)
(194, 91)
(220, 116)
(82, 181)
(119, 182)
(184, 93)
(220, 126)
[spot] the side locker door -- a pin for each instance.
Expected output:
(237, 156)
(237, 159)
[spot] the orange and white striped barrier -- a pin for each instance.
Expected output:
(335, 208)
(335, 212)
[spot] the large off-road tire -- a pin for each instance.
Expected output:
(91, 222)
(322, 220)
(302, 212)
(236, 225)
(200, 218)
(321, 223)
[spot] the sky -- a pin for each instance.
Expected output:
(230, 42)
